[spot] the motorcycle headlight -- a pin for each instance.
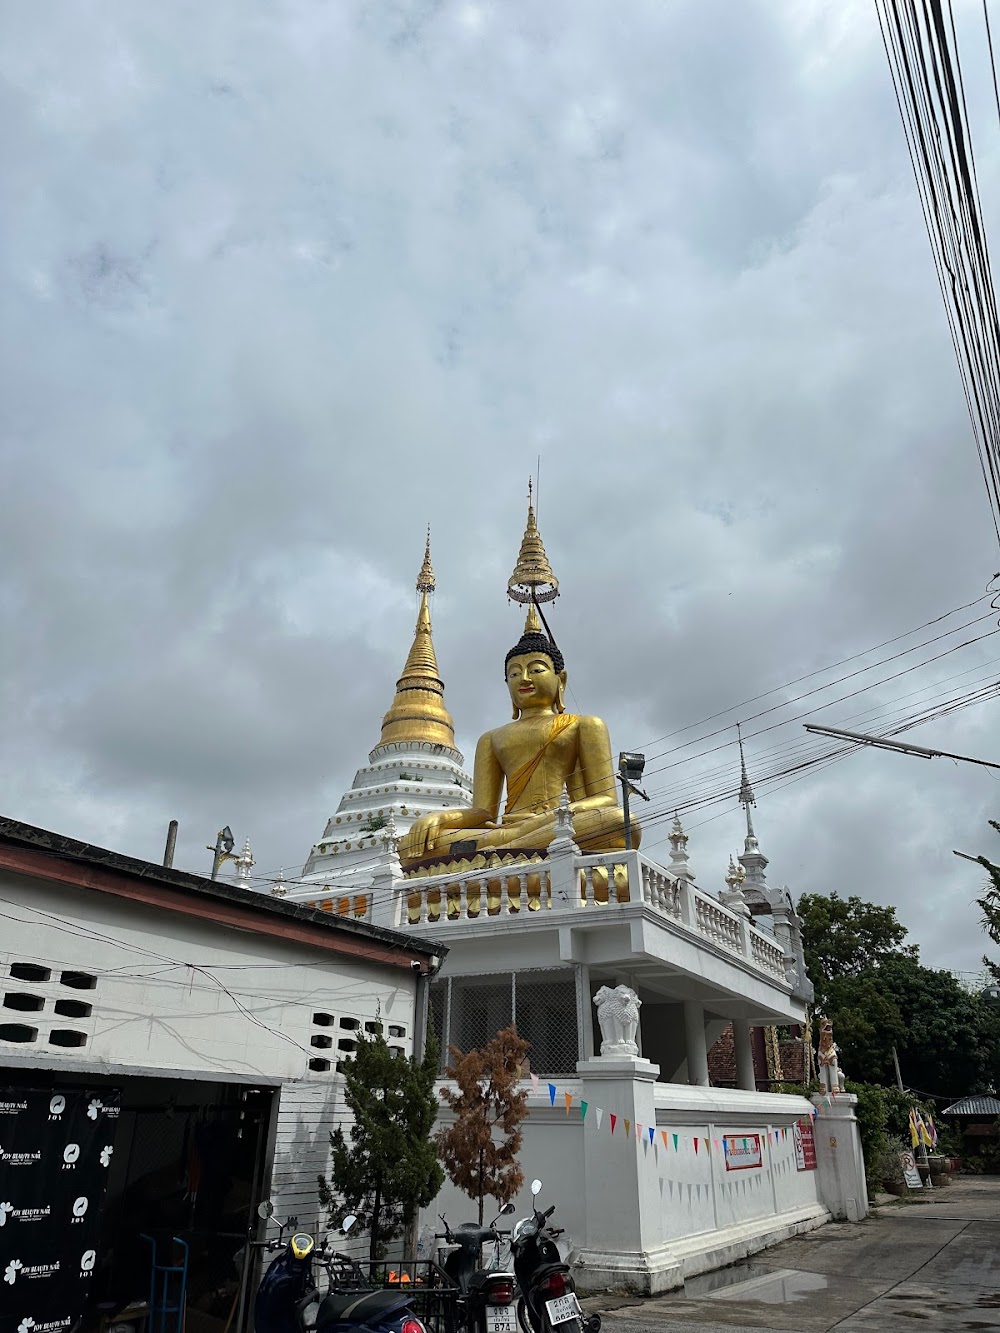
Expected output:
(301, 1245)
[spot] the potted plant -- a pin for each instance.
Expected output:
(887, 1168)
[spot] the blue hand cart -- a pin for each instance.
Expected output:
(167, 1288)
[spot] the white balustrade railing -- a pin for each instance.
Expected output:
(590, 884)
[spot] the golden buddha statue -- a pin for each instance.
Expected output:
(537, 755)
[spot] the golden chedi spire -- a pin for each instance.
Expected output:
(418, 712)
(532, 580)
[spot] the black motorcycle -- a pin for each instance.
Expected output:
(486, 1295)
(288, 1300)
(548, 1299)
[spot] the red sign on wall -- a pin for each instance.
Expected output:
(805, 1145)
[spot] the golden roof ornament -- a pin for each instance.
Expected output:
(418, 711)
(532, 580)
(426, 582)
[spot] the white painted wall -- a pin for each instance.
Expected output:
(179, 994)
(182, 997)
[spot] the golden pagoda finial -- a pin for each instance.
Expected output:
(532, 624)
(426, 582)
(532, 579)
(418, 712)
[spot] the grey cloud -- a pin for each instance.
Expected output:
(283, 282)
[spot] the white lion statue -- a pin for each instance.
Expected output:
(618, 1015)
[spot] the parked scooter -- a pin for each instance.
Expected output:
(548, 1299)
(486, 1302)
(288, 1300)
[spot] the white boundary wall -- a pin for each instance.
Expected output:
(643, 1217)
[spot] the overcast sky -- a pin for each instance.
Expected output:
(286, 280)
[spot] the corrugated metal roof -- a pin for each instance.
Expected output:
(974, 1106)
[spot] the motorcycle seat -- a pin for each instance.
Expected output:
(359, 1306)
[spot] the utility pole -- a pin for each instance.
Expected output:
(223, 849)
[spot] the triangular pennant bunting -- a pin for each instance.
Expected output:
(552, 1094)
(614, 1121)
(568, 1098)
(598, 1114)
(583, 1109)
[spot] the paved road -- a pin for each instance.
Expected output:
(932, 1265)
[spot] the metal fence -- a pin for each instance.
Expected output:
(542, 1004)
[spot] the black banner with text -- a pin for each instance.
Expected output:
(55, 1151)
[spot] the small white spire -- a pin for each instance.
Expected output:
(679, 863)
(278, 888)
(753, 860)
(732, 895)
(244, 863)
(564, 841)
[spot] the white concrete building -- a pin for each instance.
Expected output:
(217, 1014)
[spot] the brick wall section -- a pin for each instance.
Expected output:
(722, 1060)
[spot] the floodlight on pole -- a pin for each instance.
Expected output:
(630, 767)
(223, 849)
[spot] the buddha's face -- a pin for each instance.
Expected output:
(533, 682)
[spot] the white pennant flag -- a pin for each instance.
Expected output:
(599, 1113)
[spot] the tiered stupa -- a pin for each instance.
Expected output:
(414, 770)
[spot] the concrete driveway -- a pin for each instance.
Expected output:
(932, 1265)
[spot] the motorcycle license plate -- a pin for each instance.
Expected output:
(501, 1319)
(562, 1308)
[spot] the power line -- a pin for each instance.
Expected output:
(787, 703)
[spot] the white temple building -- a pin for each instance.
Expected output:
(536, 936)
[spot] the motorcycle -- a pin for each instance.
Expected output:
(288, 1300)
(486, 1300)
(548, 1299)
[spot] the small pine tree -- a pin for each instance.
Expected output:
(480, 1149)
(388, 1168)
(989, 905)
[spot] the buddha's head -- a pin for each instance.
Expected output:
(536, 675)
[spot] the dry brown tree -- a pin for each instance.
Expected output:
(480, 1148)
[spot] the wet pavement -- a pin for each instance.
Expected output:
(932, 1265)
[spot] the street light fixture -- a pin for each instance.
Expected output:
(630, 767)
(223, 849)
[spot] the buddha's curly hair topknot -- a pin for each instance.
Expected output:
(536, 643)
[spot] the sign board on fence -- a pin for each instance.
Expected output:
(805, 1145)
(910, 1173)
(742, 1151)
(55, 1157)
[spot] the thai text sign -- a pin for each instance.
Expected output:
(805, 1145)
(743, 1151)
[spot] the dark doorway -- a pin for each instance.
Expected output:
(189, 1161)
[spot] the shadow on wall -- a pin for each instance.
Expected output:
(307, 1115)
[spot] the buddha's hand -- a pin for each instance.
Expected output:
(421, 837)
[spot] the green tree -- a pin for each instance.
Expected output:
(847, 937)
(989, 905)
(878, 995)
(951, 1044)
(480, 1148)
(387, 1168)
